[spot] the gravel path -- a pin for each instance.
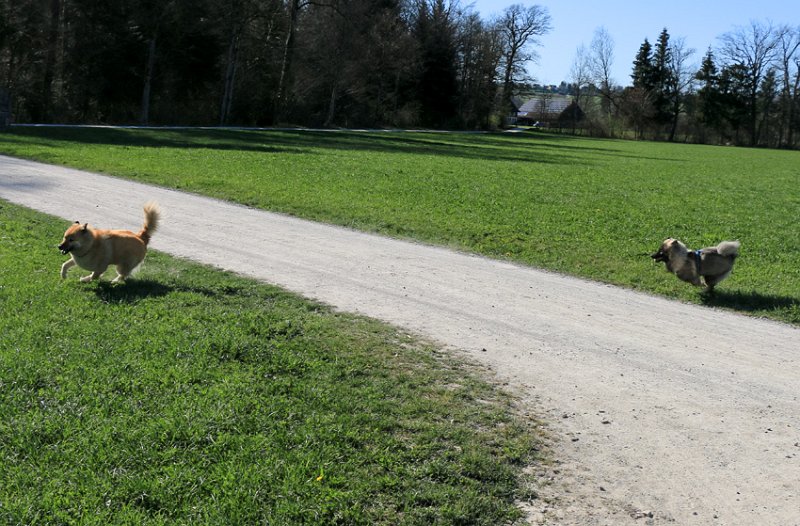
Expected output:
(661, 412)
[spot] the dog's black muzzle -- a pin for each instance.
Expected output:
(659, 256)
(64, 248)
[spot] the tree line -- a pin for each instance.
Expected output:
(744, 92)
(368, 63)
(264, 62)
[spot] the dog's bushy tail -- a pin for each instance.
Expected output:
(151, 216)
(728, 248)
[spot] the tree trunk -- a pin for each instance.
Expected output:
(144, 115)
(286, 64)
(50, 60)
(332, 105)
(508, 81)
(676, 112)
(794, 98)
(230, 77)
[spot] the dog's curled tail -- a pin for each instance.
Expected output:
(728, 248)
(151, 215)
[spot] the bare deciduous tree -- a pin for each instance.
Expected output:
(153, 17)
(281, 104)
(601, 60)
(788, 51)
(520, 28)
(581, 78)
(237, 18)
(754, 48)
(681, 78)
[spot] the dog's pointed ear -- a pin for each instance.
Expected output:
(85, 226)
(77, 222)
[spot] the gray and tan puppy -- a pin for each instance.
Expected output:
(713, 264)
(94, 249)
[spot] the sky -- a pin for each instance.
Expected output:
(699, 22)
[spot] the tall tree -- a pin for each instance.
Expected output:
(753, 49)
(25, 26)
(520, 28)
(709, 94)
(602, 61)
(383, 67)
(480, 50)
(735, 90)
(643, 75)
(789, 64)
(640, 99)
(53, 60)
(768, 94)
(236, 17)
(281, 102)
(437, 88)
(681, 81)
(664, 84)
(150, 17)
(581, 79)
(104, 66)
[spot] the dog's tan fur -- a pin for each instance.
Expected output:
(95, 249)
(715, 263)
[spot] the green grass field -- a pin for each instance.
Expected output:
(586, 207)
(192, 396)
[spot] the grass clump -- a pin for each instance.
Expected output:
(193, 396)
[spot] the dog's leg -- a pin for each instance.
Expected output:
(68, 264)
(123, 271)
(94, 275)
(690, 277)
(711, 281)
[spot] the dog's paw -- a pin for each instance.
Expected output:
(86, 279)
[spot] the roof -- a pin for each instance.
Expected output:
(555, 105)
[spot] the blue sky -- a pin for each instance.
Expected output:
(699, 22)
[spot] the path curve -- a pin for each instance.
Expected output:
(663, 412)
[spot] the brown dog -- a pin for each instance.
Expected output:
(95, 250)
(712, 263)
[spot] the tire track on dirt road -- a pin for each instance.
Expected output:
(662, 412)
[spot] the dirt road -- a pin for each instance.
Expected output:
(663, 413)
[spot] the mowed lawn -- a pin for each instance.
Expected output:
(192, 396)
(586, 207)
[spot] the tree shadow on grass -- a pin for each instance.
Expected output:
(751, 301)
(549, 148)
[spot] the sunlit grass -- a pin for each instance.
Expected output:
(592, 208)
(192, 396)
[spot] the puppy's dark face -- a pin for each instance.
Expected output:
(662, 255)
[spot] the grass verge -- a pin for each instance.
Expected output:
(587, 207)
(193, 396)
